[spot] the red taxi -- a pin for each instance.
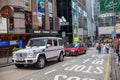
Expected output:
(75, 49)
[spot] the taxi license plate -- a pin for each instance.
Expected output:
(67, 53)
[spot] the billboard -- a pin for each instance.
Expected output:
(27, 4)
(109, 5)
(41, 6)
(75, 22)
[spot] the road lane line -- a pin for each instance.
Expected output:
(107, 68)
(50, 71)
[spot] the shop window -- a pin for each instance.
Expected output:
(11, 23)
(60, 42)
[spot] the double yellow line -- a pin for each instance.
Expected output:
(107, 68)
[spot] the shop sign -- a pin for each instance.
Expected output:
(63, 34)
(7, 11)
(37, 31)
(55, 32)
(45, 32)
(3, 25)
(14, 42)
(4, 43)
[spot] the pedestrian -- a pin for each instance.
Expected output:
(107, 46)
(103, 48)
(119, 53)
(117, 47)
(99, 48)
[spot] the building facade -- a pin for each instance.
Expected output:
(109, 19)
(75, 17)
(31, 18)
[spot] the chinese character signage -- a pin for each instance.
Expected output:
(109, 5)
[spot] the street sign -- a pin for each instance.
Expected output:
(63, 34)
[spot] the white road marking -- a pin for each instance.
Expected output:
(50, 71)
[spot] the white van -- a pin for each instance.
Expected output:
(38, 51)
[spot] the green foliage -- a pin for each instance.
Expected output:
(15, 49)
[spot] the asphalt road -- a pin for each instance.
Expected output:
(89, 66)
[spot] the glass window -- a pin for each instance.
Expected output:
(55, 43)
(60, 42)
(107, 21)
(49, 42)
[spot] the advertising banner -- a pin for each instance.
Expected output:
(75, 26)
(41, 6)
(37, 20)
(50, 9)
(75, 22)
(27, 5)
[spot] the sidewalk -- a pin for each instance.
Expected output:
(5, 61)
(115, 69)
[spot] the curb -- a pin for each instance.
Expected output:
(6, 64)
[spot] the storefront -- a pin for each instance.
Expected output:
(9, 41)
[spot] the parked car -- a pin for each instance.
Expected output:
(75, 49)
(38, 51)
